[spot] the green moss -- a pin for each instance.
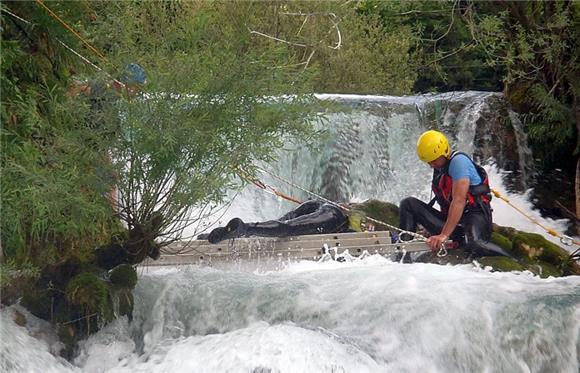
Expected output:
(124, 276)
(126, 302)
(502, 241)
(501, 263)
(383, 211)
(535, 247)
(507, 232)
(550, 270)
(87, 291)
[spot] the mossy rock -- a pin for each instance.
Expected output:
(379, 210)
(38, 301)
(571, 268)
(532, 246)
(59, 274)
(544, 269)
(507, 232)
(125, 303)
(502, 241)
(67, 336)
(124, 276)
(501, 263)
(111, 255)
(86, 290)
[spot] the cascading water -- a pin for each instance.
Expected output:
(368, 315)
(369, 151)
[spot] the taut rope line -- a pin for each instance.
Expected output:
(566, 240)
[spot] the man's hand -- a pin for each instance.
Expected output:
(435, 242)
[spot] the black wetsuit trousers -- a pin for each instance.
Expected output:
(473, 232)
(311, 217)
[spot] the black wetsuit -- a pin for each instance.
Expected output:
(473, 232)
(311, 217)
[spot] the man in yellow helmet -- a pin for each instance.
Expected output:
(461, 188)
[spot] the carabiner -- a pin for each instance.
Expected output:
(442, 251)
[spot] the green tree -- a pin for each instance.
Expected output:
(444, 53)
(537, 44)
(52, 184)
(208, 110)
(213, 106)
(344, 50)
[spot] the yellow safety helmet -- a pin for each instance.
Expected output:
(431, 145)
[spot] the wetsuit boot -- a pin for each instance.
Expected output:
(235, 228)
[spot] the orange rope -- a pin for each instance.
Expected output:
(547, 229)
(265, 187)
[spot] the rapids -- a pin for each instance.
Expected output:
(368, 315)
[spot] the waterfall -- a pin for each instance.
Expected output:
(368, 151)
(364, 315)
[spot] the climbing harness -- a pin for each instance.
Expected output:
(566, 240)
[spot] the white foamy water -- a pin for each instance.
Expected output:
(370, 315)
(506, 215)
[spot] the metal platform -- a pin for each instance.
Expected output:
(310, 247)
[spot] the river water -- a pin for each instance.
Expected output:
(369, 315)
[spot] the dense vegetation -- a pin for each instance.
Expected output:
(91, 167)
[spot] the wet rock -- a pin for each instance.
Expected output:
(19, 318)
(535, 247)
(110, 256)
(67, 336)
(501, 264)
(125, 303)
(87, 291)
(532, 252)
(123, 276)
(544, 269)
(39, 301)
(382, 211)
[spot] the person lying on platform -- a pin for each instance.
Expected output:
(311, 217)
(461, 189)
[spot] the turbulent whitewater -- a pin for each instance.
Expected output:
(368, 315)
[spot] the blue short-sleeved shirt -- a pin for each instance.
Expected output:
(462, 167)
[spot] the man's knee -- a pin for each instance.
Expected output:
(408, 204)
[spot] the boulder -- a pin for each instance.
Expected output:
(379, 210)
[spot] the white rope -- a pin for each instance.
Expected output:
(416, 236)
